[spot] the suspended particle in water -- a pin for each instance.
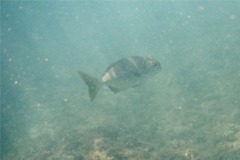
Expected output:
(200, 8)
(179, 107)
(15, 82)
(46, 59)
(65, 99)
(232, 17)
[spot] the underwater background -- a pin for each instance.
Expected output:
(189, 111)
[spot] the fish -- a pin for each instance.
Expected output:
(123, 74)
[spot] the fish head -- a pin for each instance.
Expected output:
(152, 66)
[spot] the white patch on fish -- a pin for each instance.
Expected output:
(123, 74)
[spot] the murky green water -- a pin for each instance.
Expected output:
(189, 111)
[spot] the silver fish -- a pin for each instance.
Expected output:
(123, 74)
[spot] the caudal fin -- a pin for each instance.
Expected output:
(93, 84)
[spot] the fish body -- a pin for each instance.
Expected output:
(123, 74)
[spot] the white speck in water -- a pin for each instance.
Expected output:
(15, 82)
(46, 59)
(10, 60)
(179, 107)
(9, 29)
(232, 17)
(200, 8)
(65, 99)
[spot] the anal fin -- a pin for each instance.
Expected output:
(114, 90)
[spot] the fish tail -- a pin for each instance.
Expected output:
(93, 84)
